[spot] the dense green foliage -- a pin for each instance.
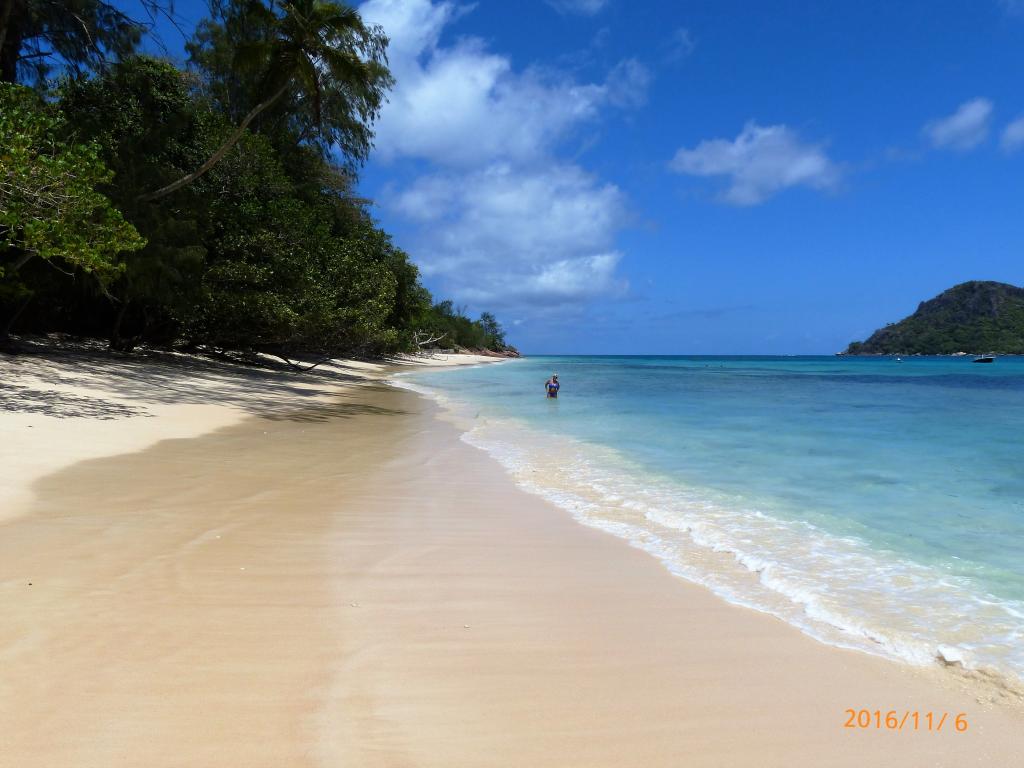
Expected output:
(49, 207)
(974, 317)
(267, 250)
(451, 327)
(315, 57)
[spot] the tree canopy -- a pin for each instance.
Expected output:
(265, 249)
(316, 53)
(49, 205)
(78, 34)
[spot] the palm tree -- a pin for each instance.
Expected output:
(322, 53)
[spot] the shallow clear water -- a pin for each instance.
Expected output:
(876, 504)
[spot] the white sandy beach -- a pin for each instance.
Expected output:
(201, 565)
(62, 408)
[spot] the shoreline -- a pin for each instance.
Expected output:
(762, 657)
(404, 603)
(712, 565)
(744, 552)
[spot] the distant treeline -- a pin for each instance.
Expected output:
(212, 206)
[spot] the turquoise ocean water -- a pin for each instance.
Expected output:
(873, 503)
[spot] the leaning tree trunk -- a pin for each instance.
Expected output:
(5, 332)
(115, 334)
(217, 156)
(10, 44)
(8, 328)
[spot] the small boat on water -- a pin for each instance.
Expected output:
(985, 359)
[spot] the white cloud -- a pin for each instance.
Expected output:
(1013, 7)
(495, 216)
(627, 84)
(964, 129)
(760, 162)
(504, 233)
(411, 27)
(463, 105)
(1013, 135)
(571, 279)
(584, 7)
(680, 45)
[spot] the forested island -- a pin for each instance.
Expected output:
(976, 317)
(205, 206)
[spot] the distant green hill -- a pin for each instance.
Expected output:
(975, 317)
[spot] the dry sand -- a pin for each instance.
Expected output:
(59, 406)
(331, 578)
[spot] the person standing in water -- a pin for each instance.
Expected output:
(552, 386)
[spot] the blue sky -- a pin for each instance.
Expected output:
(614, 176)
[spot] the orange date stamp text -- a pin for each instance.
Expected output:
(905, 720)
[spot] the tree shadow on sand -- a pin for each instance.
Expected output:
(62, 405)
(157, 377)
(318, 414)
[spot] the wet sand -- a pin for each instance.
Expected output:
(348, 584)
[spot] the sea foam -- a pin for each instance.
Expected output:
(835, 589)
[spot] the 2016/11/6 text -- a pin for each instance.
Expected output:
(905, 720)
